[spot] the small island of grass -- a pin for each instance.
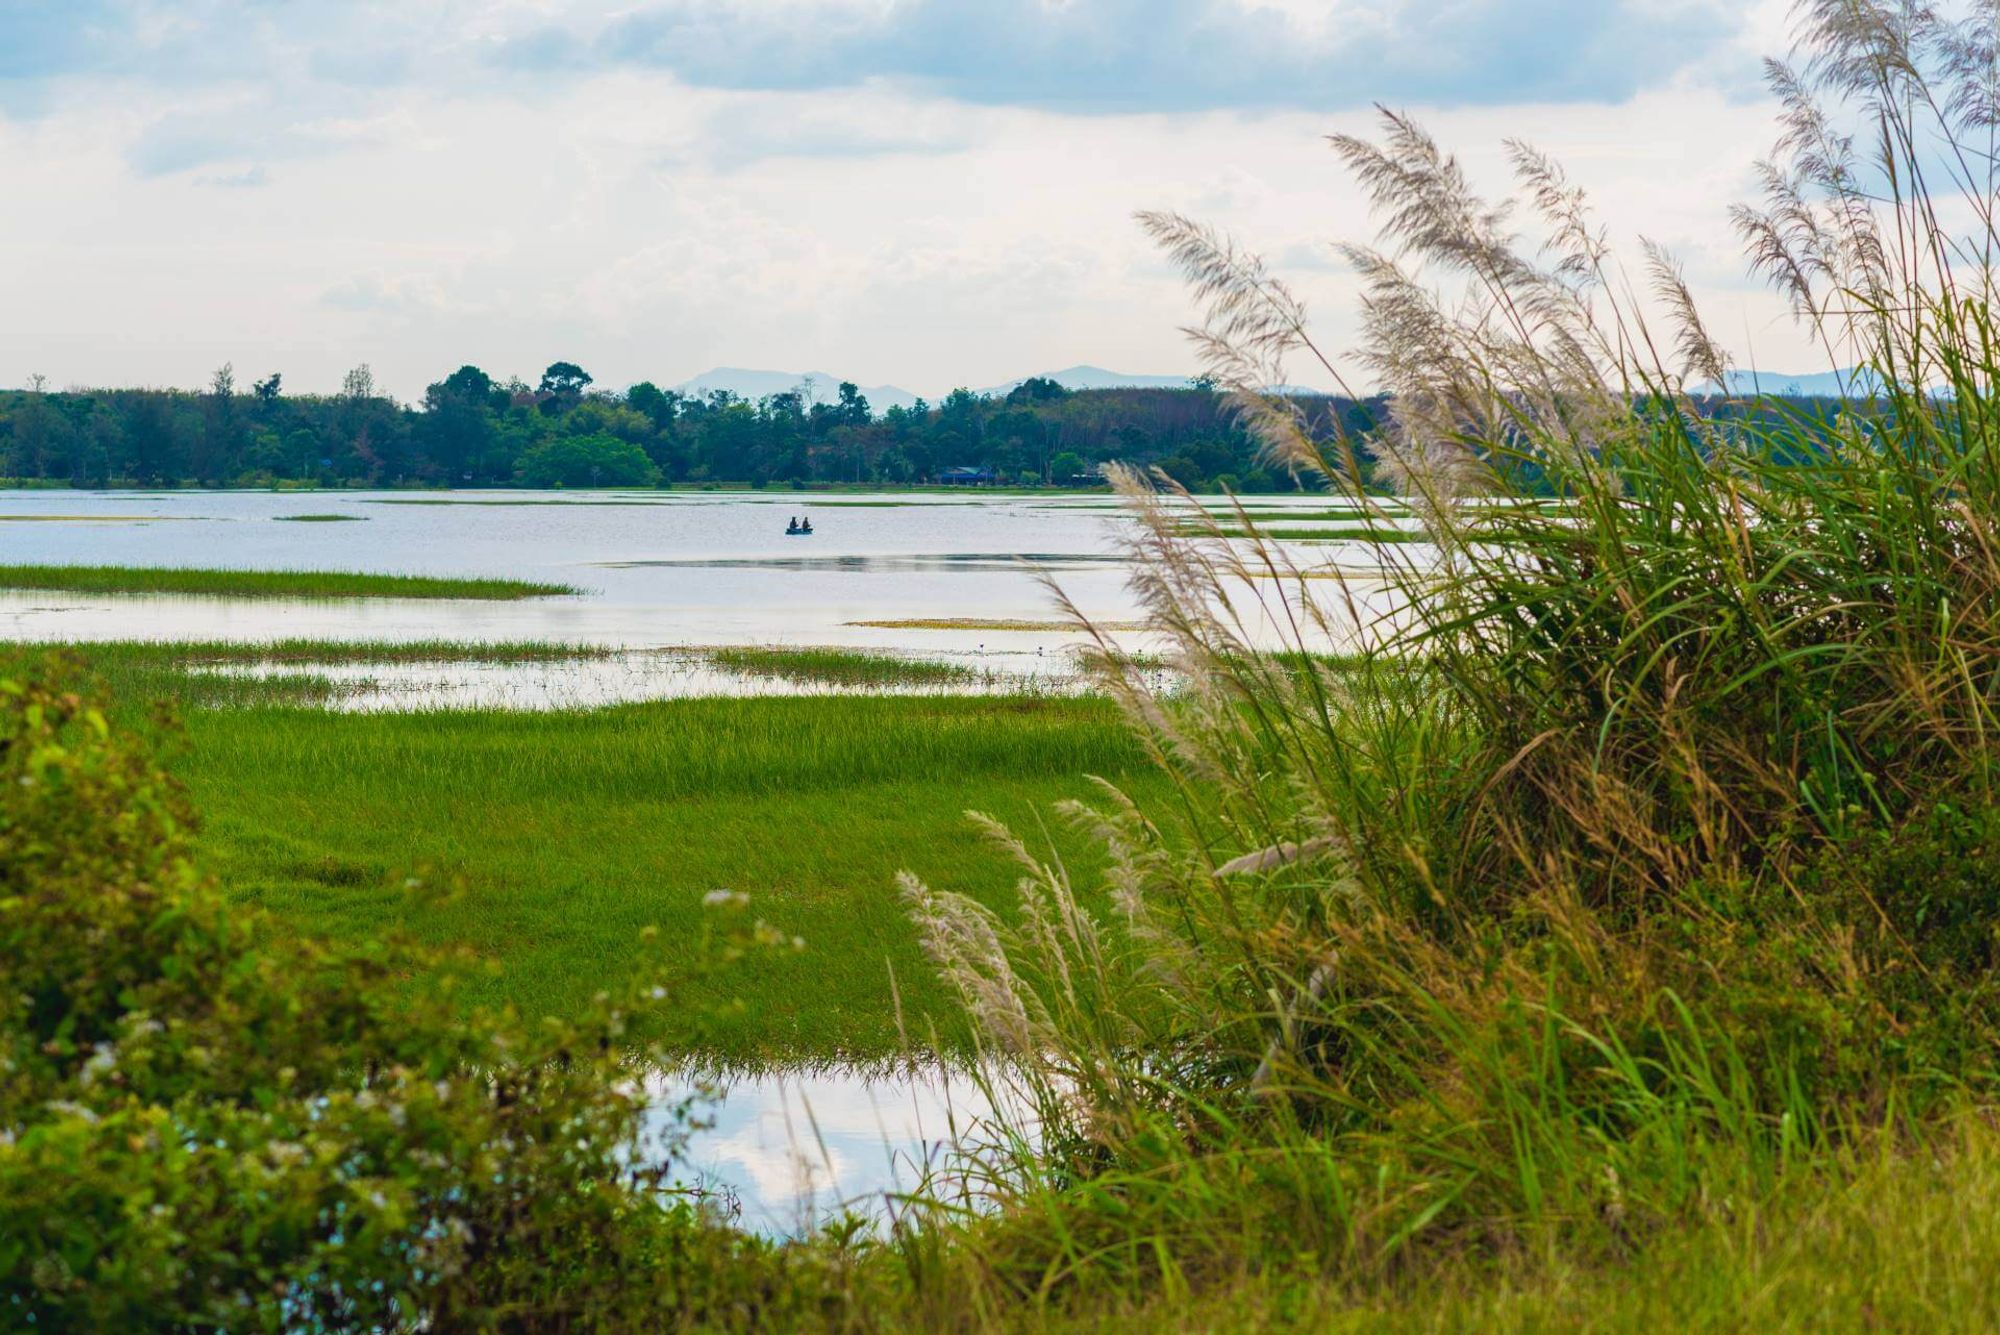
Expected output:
(267, 583)
(842, 667)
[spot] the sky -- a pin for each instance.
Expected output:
(925, 193)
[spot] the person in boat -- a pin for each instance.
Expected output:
(805, 526)
(792, 527)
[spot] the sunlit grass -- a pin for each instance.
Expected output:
(558, 837)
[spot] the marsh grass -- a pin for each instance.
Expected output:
(439, 500)
(847, 667)
(568, 833)
(991, 623)
(136, 673)
(266, 583)
(1640, 872)
(321, 519)
(1377, 533)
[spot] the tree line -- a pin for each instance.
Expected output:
(564, 431)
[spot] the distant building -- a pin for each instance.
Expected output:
(967, 477)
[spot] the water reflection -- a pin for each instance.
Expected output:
(786, 1151)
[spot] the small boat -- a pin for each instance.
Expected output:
(797, 530)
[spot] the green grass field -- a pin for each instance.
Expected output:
(560, 837)
(266, 583)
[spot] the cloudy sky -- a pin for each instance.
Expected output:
(919, 192)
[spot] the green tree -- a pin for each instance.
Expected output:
(563, 383)
(586, 461)
(220, 439)
(1036, 389)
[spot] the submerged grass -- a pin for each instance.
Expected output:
(267, 583)
(663, 502)
(992, 623)
(1378, 533)
(172, 670)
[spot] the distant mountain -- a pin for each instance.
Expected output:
(754, 385)
(1096, 377)
(1855, 381)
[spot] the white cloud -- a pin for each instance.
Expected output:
(421, 215)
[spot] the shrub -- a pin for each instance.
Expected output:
(206, 1122)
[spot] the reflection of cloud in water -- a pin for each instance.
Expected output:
(800, 1147)
(898, 563)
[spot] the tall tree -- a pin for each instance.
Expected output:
(564, 383)
(219, 440)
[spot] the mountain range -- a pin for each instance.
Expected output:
(1854, 381)
(753, 384)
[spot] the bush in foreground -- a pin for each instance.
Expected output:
(207, 1123)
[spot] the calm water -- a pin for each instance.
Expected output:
(784, 1152)
(657, 570)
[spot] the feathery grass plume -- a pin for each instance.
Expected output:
(1696, 352)
(1629, 849)
(1252, 322)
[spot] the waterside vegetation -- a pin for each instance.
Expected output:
(268, 583)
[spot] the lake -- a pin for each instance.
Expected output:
(661, 574)
(657, 569)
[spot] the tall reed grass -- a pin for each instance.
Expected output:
(1645, 856)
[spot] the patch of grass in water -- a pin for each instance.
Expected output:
(1370, 534)
(871, 505)
(146, 670)
(439, 501)
(990, 623)
(268, 583)
(321, 519)
(843, 667)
